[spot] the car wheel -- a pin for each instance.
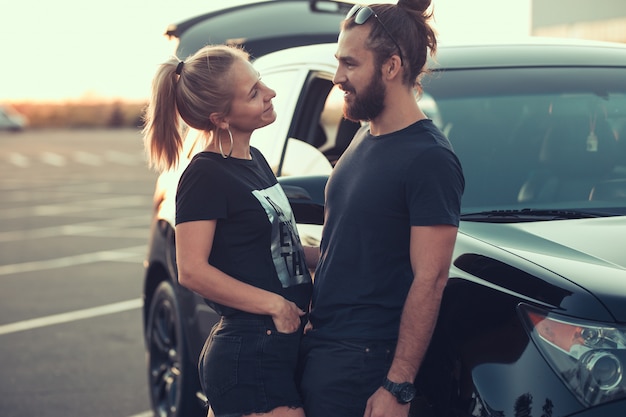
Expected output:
(172, 378)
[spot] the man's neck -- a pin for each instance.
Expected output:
(401, 110)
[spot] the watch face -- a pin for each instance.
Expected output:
(407, 393)
(404, 392)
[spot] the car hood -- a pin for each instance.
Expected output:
(587, 252)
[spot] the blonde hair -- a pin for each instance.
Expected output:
(189, 91)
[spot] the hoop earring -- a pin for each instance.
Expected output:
(219, 141)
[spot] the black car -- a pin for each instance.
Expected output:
(533, 319)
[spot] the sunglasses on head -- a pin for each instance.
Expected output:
(362, 14)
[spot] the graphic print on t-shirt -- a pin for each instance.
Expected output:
(287, 251)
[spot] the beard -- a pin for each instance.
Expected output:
(366, 105)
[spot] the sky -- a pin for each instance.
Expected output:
(64, 50)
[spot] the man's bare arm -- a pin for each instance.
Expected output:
(431, 254)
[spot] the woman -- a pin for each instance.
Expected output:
(231, 211)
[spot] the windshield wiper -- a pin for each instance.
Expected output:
(528, 215)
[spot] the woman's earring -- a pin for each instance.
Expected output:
(219, 141)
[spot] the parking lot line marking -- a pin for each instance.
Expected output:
(124, 158)
(53, 159)
(67, 209)
(19, 160)
(120, 226)
(85, 258)
(71, 316)
(88, 158)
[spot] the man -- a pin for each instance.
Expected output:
(392, 212)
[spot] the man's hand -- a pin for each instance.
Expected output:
(308, 327)
(383, 404)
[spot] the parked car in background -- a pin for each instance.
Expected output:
(11, 120)
(533, 319)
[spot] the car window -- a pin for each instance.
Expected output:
(319, 119)
(307, 123)
(552, 138)
(339, 131)
(316, 134)
(322, 123)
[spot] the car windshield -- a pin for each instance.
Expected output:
(532, 140)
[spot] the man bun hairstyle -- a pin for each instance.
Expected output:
(409, 24)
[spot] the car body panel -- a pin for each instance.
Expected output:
(586, 252)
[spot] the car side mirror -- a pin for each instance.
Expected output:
(306, 196)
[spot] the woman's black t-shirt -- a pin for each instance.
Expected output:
(256, 240)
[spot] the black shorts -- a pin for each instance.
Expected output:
(246, 366)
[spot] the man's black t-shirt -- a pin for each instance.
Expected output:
(256, 240)
(380, 187)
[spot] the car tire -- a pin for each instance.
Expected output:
(172, 379)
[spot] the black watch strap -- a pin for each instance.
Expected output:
(404, 392)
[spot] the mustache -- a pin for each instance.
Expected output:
(347, 88)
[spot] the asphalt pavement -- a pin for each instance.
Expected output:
(75, 212)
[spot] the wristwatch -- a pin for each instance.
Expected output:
(404, 392)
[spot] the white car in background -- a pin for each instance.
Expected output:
(11, 120)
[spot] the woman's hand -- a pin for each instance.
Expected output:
(287, 316)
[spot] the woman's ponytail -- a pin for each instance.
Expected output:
(162, 137)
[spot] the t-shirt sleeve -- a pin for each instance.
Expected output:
(199, 195)
(435, 186)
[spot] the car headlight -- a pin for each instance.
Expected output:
(589, 357)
